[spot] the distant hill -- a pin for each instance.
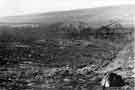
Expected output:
(92, 16)
(50, 25)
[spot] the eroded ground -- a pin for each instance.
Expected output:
(69, 63)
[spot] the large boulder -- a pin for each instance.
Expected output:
(112, 80)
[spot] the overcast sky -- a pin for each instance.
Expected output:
(18, 7)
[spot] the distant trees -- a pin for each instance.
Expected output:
(76, 30)
(81, 30)
(6, 36)
(113, 32)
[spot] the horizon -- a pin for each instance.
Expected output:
(25, 7)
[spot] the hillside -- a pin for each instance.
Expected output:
(66, 50)
(93, 16)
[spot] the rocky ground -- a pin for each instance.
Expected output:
(68, 63)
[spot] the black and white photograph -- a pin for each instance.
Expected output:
(67, 45)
